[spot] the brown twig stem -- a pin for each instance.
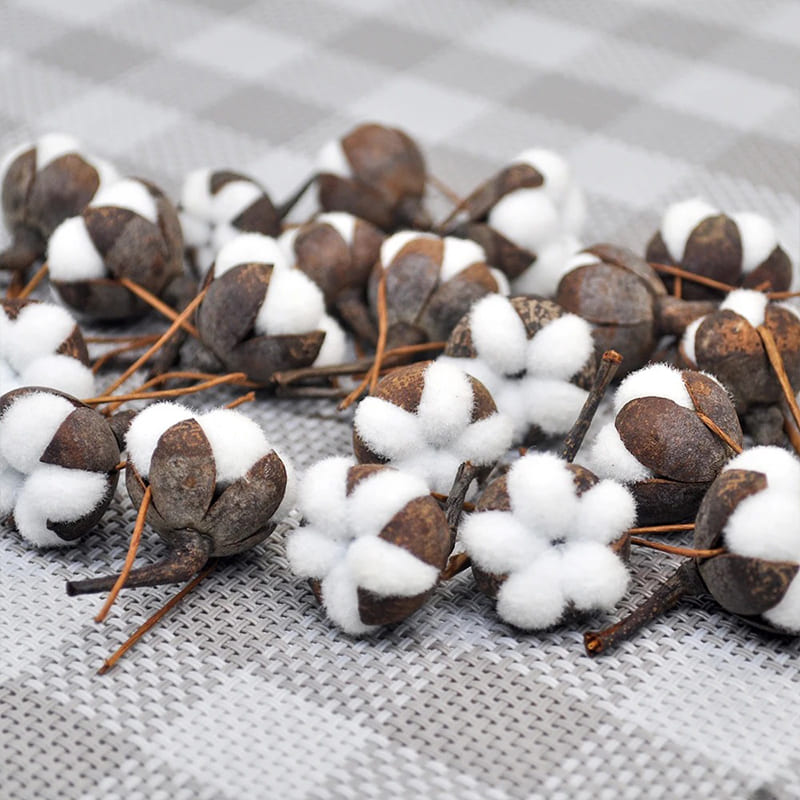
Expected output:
(240, 401)
(133, 344)
(687, 552)
(717, 431)
(444, 190)
(159, 305)
(688, 526)
(37, 278)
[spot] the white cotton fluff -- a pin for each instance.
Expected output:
(237, 442)
(551, 265)
(786, 614)
(51, 146)
(592, 576)
(39, 330)
(293, 304)
(689, 339)
(249, 248)
(196, 194)
(780, 466)
(748, 304)
(526, 217)
(679, 220)
(654, 380)
(334, 345)
(581, 259)
(446, 404)
(387, 570)
(332, 160)
(532, 598)
(322, 496)
(147, 428)
(388, 429)
(60, 372)
(234, 198)
(561, 348)
(312, 553)
(604, 511)
(340, 598)
(498, 334)
(552, 167)
(758, 237)
(392, 245)
(609, 458)
(11, 482)
(484, 441)
(130, 194)
(552, 405)
(342, 222)
(71, 254)
(498, 542)
(457, 255)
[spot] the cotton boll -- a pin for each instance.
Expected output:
(71, 254)
(392, 245)
(498, 543)
(503, 286)
(106, 171)
(592, 576)
(552, 167)
(765, 525)
(293, 304)
(9, 379)
(340, 598)
(249, 248)
(130, 194)
(147, 428)
(604, 512)
(780, 466)
(748, 304)
(786, 614)
(561, 348)
(237, 442)
(609, 458)
(313, 554)
(377, 498)
(758, 237)
(387, 429)
(342, 222)
(457, 255)
(196, 232)
(334, 346)
(532, 599)
(51, 146)
(322, 496)
(446, 404)
(11, 483)
(655, 380)
(196, 195)
(511, 401)
(233, 198)
(39, 330)
(27, 427)
(679, 220)
(437, 468)
(498, 335)
(60, 372)
(551, 265)
(553, 405)
(59, 495)
(527, 217)
(689, 338)
(485, 440)
(332, 160)
(388, 570)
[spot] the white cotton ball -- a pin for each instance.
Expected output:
(542, 494)
(59, 495)
(765, 525)
(340, 599)
(322, 496)
(446, 404)
(71, 254)
(128, 193)
(196, 193)
(780, 466)
(28, 426)
(196, 232)
(313, 554)
(486, 440)
(604, 512)
(503, 286)
(286, 243)
(11, 483)
(592, 576)
(654, 380)
(51, 146)
(746, 303)
(609, 458)
(237, 442)
(786, 614)
(561, 348)
(377, 498)
(679, 220)
(294, 304)
(552, 264)
(392, 245)
(532, 599)
(332, 160)
(498, 542)
(511, 401)
(342, 222)
(388, 570)
(387, 429)
(689, 339)
(334, 346)
(582, 259)
(234, 198)
(60, 372)
(573, 210)
(39, 330)
(758, 237)
(147, 428)
(289, 498)
(9, 379)
(249, 248)
(527, 217)
(457, 255)
(106, 171)
(552, 167)
(553, 405)
(498, 335)
(437, 468)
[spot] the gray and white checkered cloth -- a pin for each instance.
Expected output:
(246, 690)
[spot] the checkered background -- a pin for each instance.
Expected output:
(246, 690)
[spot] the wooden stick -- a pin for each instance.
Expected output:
(688, 552)
(692, 277)
(444, 190)
(199, 387)
(778, 367)
(37, 278)
(123, 348)
(239, 401)
(159, 305)
(715, 429)
(688, 526)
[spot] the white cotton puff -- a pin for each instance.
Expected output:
(498, 543)
(106, 171)
(498, 334)
(27, 427)
(387, 429)
(332, 160)
(532, 599)
(758, 237)
(59, 495)
(322, 496)
(377, 498)
(130, 194)
(553, 405)
(446, 403)
(392, 245)
(780, 466)
(457, 255)
(60, 372)
(340, 598)
(249, 248)
(334, 346)
(146, 429)
(552, 264)
(654, 380)
(234, 198)
(11, 483)
(39, 330)
(293, 304)
(604, 512)
(582, 259)
(71, 254)
(542, 494)
(552, 167)
(388, 570)
(527, 217)
(609, 458)
(196, 193)
(312, 553)
(196, 232)
(679, 220)
(237, 442)
(765, 525)
(486, 440)
(561, 348)
(286, 243)
(503, 286)
(51, 146)
(592, 576)
(786, 614)
(436, 467)
(748, 304)
(690, 338)
(342, 222)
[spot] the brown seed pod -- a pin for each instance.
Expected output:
(374, 544)
(376, 173)
(130, 230)
(740, 250)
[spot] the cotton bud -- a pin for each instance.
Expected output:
(374, 544)
(376, 173)
(44, 183)
(740, 249)
(129, 230)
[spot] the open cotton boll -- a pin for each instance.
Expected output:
(376, 499)
(387, 570)
(655, 380)
(71, 254)
(457, 255)
(609, 458)
(388, 429)
(293, 304)
(39, 330)
(604, 512)
(532, 599)
(561, 348)
(780, 466)
(551, 265)
(51, 146)
(552, 167)
(334, 346)
(322, 495)
(498, 543)
(234, 198)
(765, 525)
(147, 428)
(332, 160)
(343, 222)
(679, 220)
(592, 576)
(758, 238)
(60, 372)
(130, 194)
(313, 554)
(196, 196)
(485, 441)
(436, 467)
(498, 334)
(392, 245)
(446, 404)
(553, 405)
(786, 614)
(237, 442)
(748, 304)
(249, 248)
(526, 217)
(340, 598)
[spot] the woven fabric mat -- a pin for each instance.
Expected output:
(246, 690)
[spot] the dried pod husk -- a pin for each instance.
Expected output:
(740, 249)
(43, 184)
(431, 282)
(57, 465)
(129, 230)
(376, 173)
(538, 375)
(374, 543)
(547, 542)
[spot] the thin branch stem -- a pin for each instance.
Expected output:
(687, 552)
(134, 344)
(37, 278)
(717, 431)
(159, 305)
(444, 190)
(688, 526)
(240, 401)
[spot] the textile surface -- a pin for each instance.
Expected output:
(246, 690)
